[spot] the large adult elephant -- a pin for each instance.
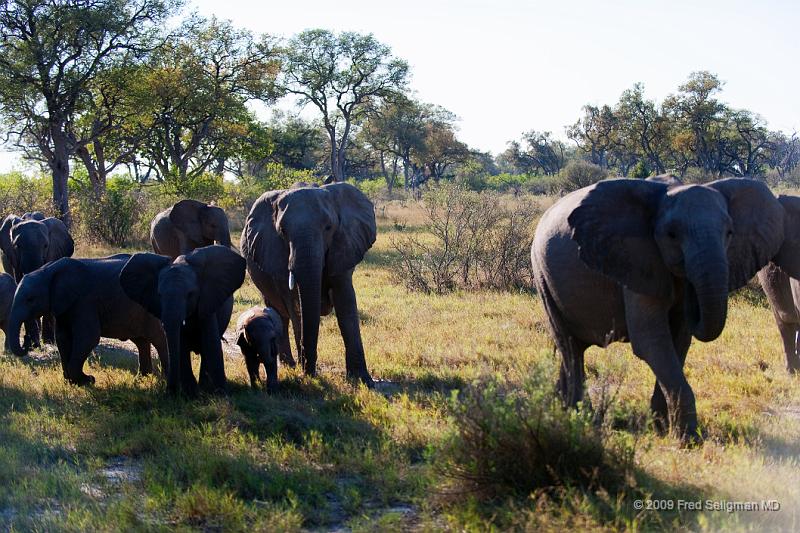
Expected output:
(187, 225)
(780, 280)
(641, 262)
(28, 243)
(186, 295)
(301, 246)
(88, 302)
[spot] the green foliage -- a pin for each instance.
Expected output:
(20, 194)
(110, 219)
(640, 170)
(373, 188)
(512, 439)
(207, 186)
(578, 174)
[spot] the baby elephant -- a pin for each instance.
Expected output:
(7, 288)
(259, 333)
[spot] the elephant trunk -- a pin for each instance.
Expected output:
(14, 329)
(172, 321)
(306, 262)
(707, 295)
(224, 237)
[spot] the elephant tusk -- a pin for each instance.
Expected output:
(291, 280)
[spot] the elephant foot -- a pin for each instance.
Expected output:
(691, 438)
(363, 377)
(82, 380)
(288, 360)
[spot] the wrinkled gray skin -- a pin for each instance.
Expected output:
(636, 261)
(319, 235)
(29, 242)
(780, 280)
(88, 303)
(186, 295)
(187, 225)
(7, 289)
(259, 333)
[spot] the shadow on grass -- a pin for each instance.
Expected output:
(382, 258)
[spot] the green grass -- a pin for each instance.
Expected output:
(325, 454)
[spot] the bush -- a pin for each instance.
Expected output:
(476, 240)
(640, 170)
(21, 194)
(512, 440)
(206, 187)
(112, 218)
(578, 174)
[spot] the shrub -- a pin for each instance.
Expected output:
(515, 439)
(476, 240)
(112, 218)
(640, 170)
(578, 174)
(21, 194)
(698, 175)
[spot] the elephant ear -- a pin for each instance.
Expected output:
(614, 226)
(357, 229)
(70, 280)
(186, 217)
(261, 243)
(220, 271)
(34, 215)
(788, 257)
(139, 280)
(758, 222)
(61, 243)
(5, 235)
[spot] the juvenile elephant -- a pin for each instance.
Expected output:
(187, 225)
(635, 261)
(7, 288)
(259, 333)
(87, 300)
(29, 242)
(185, 294)
(780, 280)
(302, 245)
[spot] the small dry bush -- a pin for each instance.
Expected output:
(473, 240)
(578, 174)
(514, 440)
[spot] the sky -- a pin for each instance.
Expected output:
(508, 66)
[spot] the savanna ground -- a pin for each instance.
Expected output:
(324, 454)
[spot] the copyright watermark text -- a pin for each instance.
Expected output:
(727, 506)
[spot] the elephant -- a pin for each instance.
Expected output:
(670, 180)
(301, 246)
(29, 242)
(258, 334)
(88, 302)
(187, 225)
(186, 295)
(780, 280)
(7, 288)
(658, 263)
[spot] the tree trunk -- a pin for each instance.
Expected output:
(59, 165)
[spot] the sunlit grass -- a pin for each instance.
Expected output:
(326, 454)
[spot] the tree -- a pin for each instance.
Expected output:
(596, 134)
(542, 153)
(50, 52)
(344, 76)
(644, 129)
(199, 84)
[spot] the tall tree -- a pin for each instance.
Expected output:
(199, 84)
(50, 51)
(343, 76)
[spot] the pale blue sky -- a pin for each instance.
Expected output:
(507, 66)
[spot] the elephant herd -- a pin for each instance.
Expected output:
(650, 262)
(300, 247)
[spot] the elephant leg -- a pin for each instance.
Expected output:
(85, 336)
(48, 327)
(212, 361)
(188, 382)
(681, 340)
(145, 360)
(285, 347)
(252, 363)
(789, 335)
(64, 344)
(31, 338)
(651, 340)
(344, 301)
(159, 342)
(572, 375)
(298, 339)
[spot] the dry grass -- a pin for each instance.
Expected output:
(324, 455)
